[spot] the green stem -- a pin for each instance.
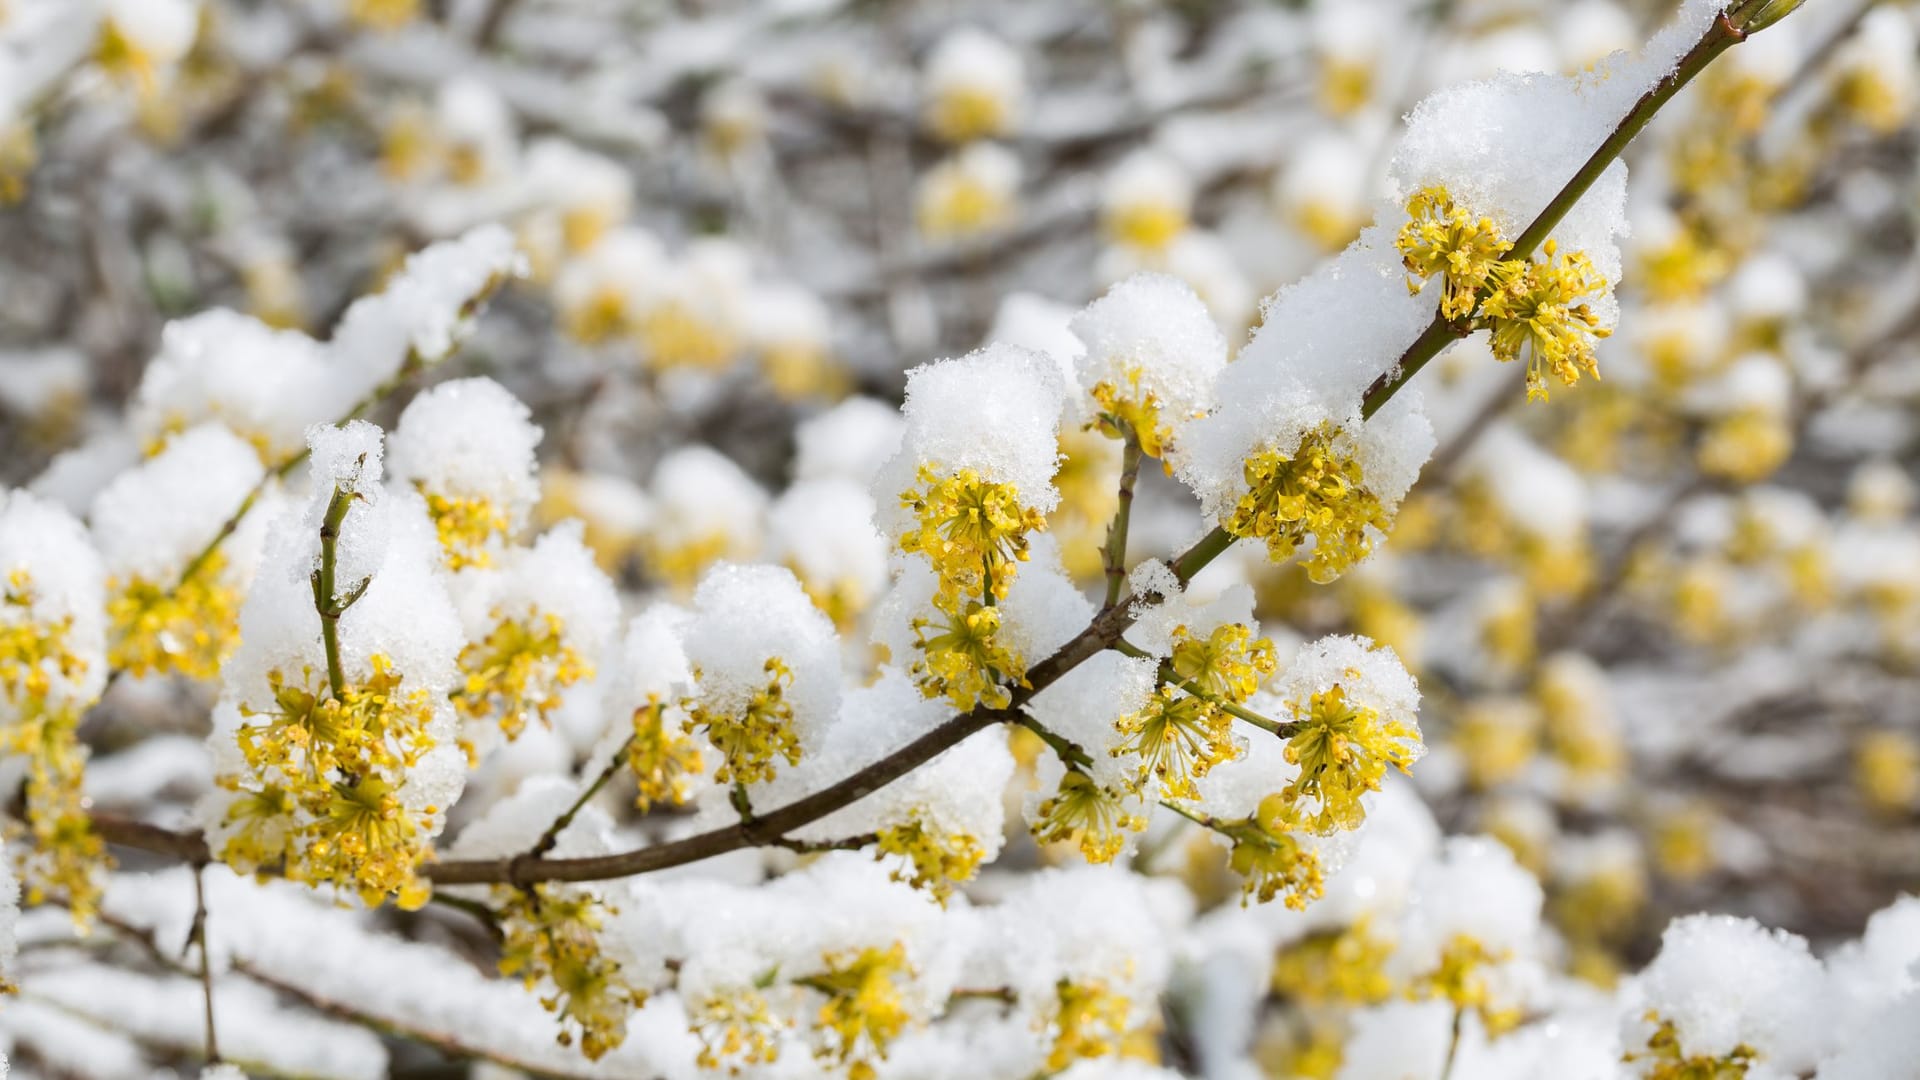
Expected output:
(552, 835)
(1063, 748)
(324, 589)
(1116, 549)
(1270, 726)
(1441, 332)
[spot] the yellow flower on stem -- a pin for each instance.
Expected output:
(1087, 815)
(1443, 238)
(1343, 749)
(1316, 489)
(751, 740)
(1537, 309)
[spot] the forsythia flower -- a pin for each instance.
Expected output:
(518, 671)
(552, 935)
(972, 531)
(52, 668)
(1090, 1022)
(1460, 980)
(938, 860)
(1315, 490)
(1443, 238)
(332, 756)
(1180, 737)
(1343, 749)
(1663, 1058)
(189, 628)
(1086, 814)
(761, 731)
(663, 760)
(1351, 707)
(1271, 857)
(1347, 967)
(735, 1028)
(864, 1011)
(965, 660)
(1536, 308)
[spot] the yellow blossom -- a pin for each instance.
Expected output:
(1271, 857)
(1460, 979)
(383, 14)
(1886, 769)
(761, 731)
(1536, 309)
(1090, 1022)
(1145, 224)
(672, 335)
(518, 670)
(1084, 813)
(340, 760)
(965, 660)
(467, 528)
(1178, 739)
(735, 1028)
(1316, 490)
(864, 1010)
(1443, 238)
(663, 759)
(552, 933)
(1664, 1060)
(66, 854)
(1746, 446)
(937, 861)
(961, 114)
(1131, 410)
(1348, 967)
(1343, 749)
(971, 530)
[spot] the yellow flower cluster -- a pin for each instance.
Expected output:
(1180, 737)
(1316, 489)
(1536, 308)
(518, 670)
(664, 761)
(1443, 238)
(1083, 813)
(1131, 410)
(1348, 967)
(972, 532)
(551, 933)
(1270, 857)
(189, 629)
(466, 528)
(1664, 1060)
(735, 1028)
(339, 760)
(939, 860)
(864, 1010)
(1460, 980)
(1343, 749)
(671, 335)
(1090, 1021)
(961, 114)
(750, 741)
(1533, 307)
(383, 14)
(66, 852)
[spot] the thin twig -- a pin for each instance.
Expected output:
(1116, 548)
(198, 936)
(552, 835)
